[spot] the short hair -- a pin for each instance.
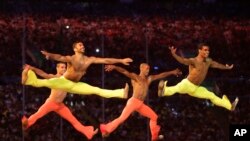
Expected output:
(58, 63)
(200, 45)
(143, 64)
(74, 44)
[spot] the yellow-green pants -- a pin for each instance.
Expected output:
(71, 87)
(186, 87)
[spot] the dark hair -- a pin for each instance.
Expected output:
(74, 44)
(200, 45)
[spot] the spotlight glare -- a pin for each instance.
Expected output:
(156, 67)
(97, 50)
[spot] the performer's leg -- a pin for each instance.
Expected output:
(64, 112)
(182, 88)
(202, 92)
(30, 78)
(149, 113)
(132, 104)
(43, 110)
(24, 76)
(87, 89)
(72, 87)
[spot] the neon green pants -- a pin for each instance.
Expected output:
(186, 87)
(71, 87)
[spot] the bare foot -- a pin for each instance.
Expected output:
(126, 89)
(105, 135)
(95, 132)
(103, 131)
(91, 133)
(234, 104)
(161, 88)
(24, 123)
(24, 75)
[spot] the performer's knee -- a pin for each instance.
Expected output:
(154, 117)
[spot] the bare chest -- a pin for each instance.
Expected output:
(141, 82)
(201, 66)
(80, 64)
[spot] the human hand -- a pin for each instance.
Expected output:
(172, 49)
(177, 72)
(229, 66)
(109, 68)
(126, 61)
(46, 54)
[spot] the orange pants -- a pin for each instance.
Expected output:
(64, 112)
(134, 104)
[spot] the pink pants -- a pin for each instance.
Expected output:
(134, 104)
(64, 112)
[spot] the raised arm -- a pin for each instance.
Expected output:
(175, 72)
(56, 57)
(217, 65)
(124, 61)
(40, 72)
(121, 70)
(180, 59)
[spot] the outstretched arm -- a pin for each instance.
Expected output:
(121, 70)
(217, 65)
(124, 61)
(56, 57)
(180, 59)
(39, 72)
(175, 72)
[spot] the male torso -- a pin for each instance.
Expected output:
(77, 67)
(140, 87)
(198, 70)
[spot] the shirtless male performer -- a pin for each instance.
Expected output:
(55, 103)
(77, 66)
(140, 83)
(198, 68)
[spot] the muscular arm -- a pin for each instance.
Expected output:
(217, 65)
(176, 72)
(97, 60)
(41, 73)
(56, 57)
(122, 71)
(180, 59)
